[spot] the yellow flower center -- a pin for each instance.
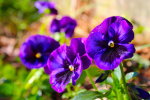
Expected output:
(111, 44)
(38, 55)
(71, 68)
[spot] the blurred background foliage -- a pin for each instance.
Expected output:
(19, 19)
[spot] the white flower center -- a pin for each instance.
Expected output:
(111, 44)
(71, 67)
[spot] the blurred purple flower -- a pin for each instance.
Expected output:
(43, 5)
(137, 92)
(66, 63)
(35, 51)
(66, 24)
(141, 93)
(108, 43)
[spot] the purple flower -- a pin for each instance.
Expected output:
(66, 63)
(141, 93)
(137, 92)
(108, 43)
(66, 24)
(35, 51)
(44, 5)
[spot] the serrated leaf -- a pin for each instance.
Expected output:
(131, 75)
(88, 95)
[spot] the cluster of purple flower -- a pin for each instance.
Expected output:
(107, 44)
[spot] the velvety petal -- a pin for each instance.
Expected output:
(95, 43)
(104, 26)
(55, 26)
(77, 69)
(86, 61)
(58, 59)
(59, 78)
(68, 25)
(110, 58)
(46, 70)
(121, 32)
(69, 30)
(77, 46)
(37, 44)
(126, 50)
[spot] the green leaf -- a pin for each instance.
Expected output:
(131, 75)
(88, 95)
(94, 71)
(82, 78)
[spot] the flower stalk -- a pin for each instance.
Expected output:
(123, 84)
(92, 82)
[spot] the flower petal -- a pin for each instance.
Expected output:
(104, 26)
(121, 32)
(59, 78)
(77, 46)
(68, 25)
(86, 61)
(95, 43)
(110, 58)
(127, 50)
(55, 26)
(77, 69)
(57, 59)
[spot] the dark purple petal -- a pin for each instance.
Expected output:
(59, 78)
(58, 59)
(126, 50)
(110, 58)
(55, 26)
(68, 25)
(121, 32)
(104, 26)
(95, 43)
(86, 61)
(37, 44)
(77, 46)
(77, 69)
(46, 70)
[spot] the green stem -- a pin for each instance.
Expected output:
(124, 85)
(92, 82)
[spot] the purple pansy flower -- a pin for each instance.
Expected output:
(108, 43)
(66, 63)
(66, 24)
(43, 5)
(35, 51)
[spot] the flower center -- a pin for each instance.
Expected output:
(71, 67)
(111, 44)
(38, 55)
